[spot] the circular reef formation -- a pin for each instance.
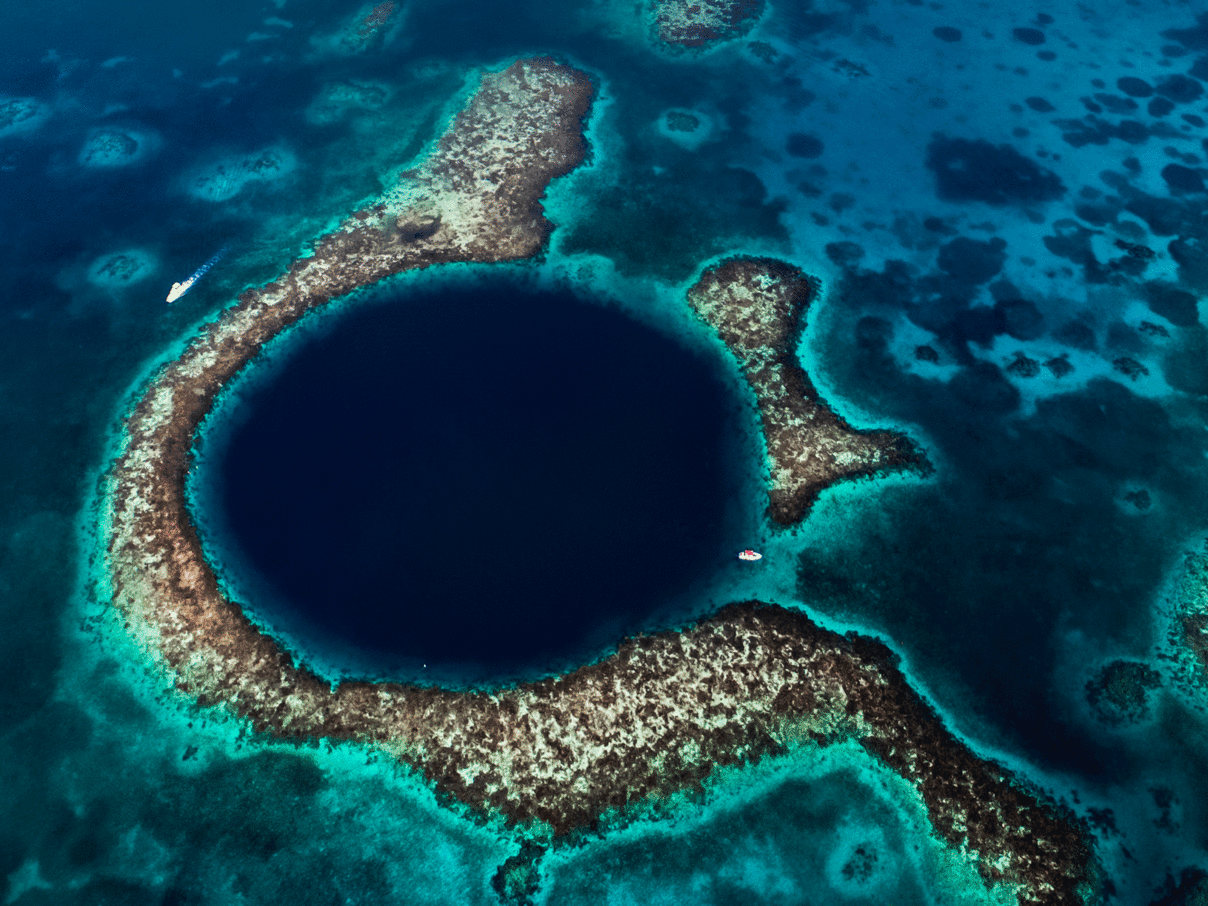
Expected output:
(554, 758)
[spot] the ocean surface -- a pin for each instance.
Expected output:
(1005, 206)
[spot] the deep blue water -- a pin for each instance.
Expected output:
(979, 202)
(463, 476)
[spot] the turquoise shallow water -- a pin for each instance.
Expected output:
(1008, 226)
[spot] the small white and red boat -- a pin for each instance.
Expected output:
(749, 554)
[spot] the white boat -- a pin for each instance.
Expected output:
(750, 555)
(179, 289)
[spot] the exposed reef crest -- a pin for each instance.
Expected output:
(758, 307)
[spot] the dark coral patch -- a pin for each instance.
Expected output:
(1119, 693)
(1180, 89)
(1116, 104)
(970, 261)
(1199, 69)
(979, 324)
(1019, 318)
(1134, 87)
(845, 254)
(1040, 105)
(1177, 306)
(1092, 130)
(1159, 107)
(947, 33)
(976, 170)
(926, 354)
(1194, 38)
(1182, 180)
(1033, 36)
(800, 144)
(1078, 334)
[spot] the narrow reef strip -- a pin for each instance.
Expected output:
(757, 306)
(701, 24)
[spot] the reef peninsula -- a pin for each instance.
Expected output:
(657, 717)
(757, 306)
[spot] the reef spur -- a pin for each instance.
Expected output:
(553, 758)
(757, 306)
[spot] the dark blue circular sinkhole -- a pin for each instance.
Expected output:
(487, 479)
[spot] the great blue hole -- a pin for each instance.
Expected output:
(473, 482)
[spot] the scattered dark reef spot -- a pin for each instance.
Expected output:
(939, 225)
(1159, 107)
(1023, 367)
(1191, 255)
(1129, 367)
(1134, 87)
(841, 201)
(1193, 120)
(1163, 216)
(1177, 306)
(1149, 329)
(1141, 499)
(971, 261)
(926, 354)
(1199, 69)
(1032, 36)
(979, 324)
(518, 878)
(1047, 55)
(1191, 889)
(1059, 366)
(1180, 89)
(873, 334)
(1044, 19)
(862, 865)
(1194, 38)
(800, 144)
(1020, 319)
(763, 51)
(1078, 334)
(976, 170)
(1182, 180)
(1119, 693)
(1135, 250)
(1040, 105)
(845, 254)
(891, 288)
(1096, 214)
(1093, 130)
(679, 121)
(947, 33)
(1186, 367)
(1113, 103)
(1072, 241)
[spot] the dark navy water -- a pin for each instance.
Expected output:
(1009, 228)
(486, 477)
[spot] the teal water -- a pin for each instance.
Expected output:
(1005, 206)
